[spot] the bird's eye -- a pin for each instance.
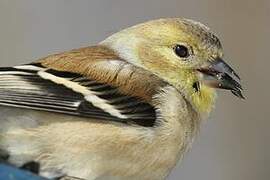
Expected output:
(181, 51)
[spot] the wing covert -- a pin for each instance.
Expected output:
(36, 87)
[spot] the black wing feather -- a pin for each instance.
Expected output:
(24, 87)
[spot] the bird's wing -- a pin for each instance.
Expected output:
(40, 87)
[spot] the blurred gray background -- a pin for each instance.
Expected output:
(235, 143)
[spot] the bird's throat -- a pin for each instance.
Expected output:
(203, 100)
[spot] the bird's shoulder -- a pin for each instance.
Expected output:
(90, 82)
(104, 65)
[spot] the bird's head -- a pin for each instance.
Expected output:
(182, 52)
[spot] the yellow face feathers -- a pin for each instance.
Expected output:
(175, 50)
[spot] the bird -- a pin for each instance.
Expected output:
(128, 107)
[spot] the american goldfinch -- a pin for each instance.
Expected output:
(127, 108)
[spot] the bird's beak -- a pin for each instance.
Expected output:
(218, 74)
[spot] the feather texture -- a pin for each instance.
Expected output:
(40, 88)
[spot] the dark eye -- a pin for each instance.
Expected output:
(181, 51)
